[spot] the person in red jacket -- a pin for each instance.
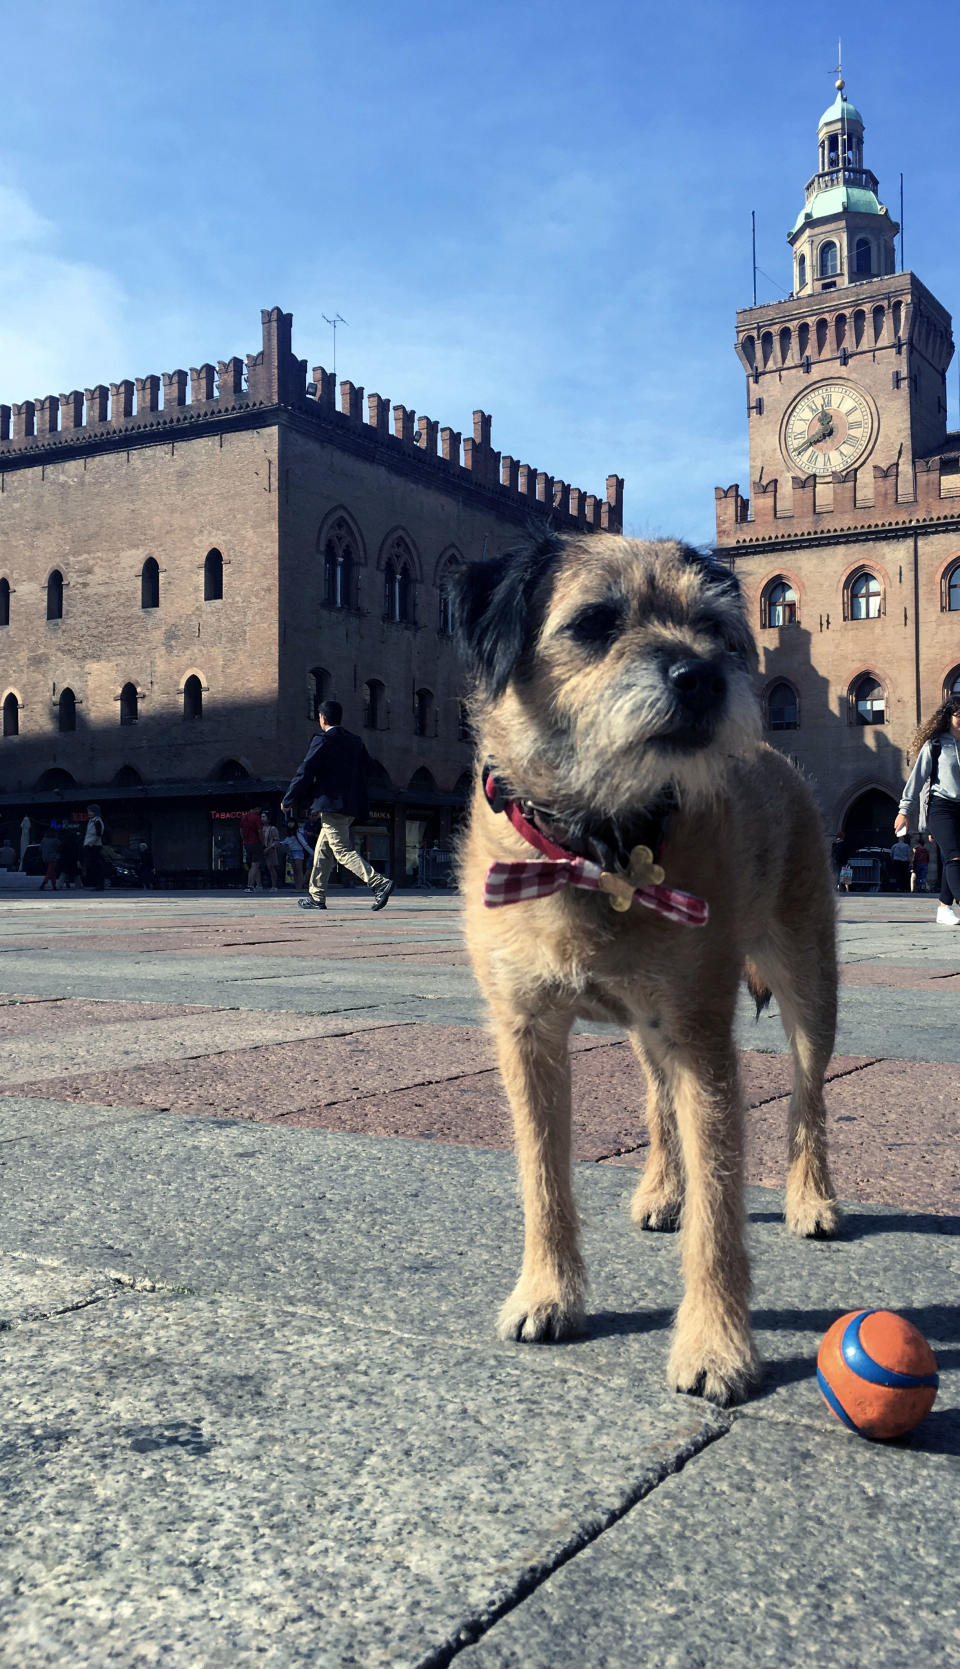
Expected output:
(334, 772)
(251, 833)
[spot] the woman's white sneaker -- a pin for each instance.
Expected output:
(947, 917)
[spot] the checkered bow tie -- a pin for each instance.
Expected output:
(518, 881)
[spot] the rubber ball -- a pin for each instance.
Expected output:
(877, 1373)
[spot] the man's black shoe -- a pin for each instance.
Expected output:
(381, 895)
(310, 904)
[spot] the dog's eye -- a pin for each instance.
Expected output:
(596, 626)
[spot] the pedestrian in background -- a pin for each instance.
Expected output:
(50, 857)
(931, 800)
(68, 863)
(919, 865)
(94, 869)
(296, 853)
(901, 856)
(251, 834)
(271, 850)
(334, 771)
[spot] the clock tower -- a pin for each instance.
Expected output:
(848, 546)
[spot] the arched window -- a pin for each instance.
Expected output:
(423, 719)
(129, 709)
(783, 712)
(4, 602)
(868, 701)
(864, 600)
(11, 715)
(374, 704)
(863, 259)
(952, 589)
(150, 584)
(801, 272)
(778, 605)
(398, 584)
(866, 597)
(448, 575)
(318, 688)
(55, 595)
(212, 577)
(193, 698)
(829, 260)
(952, 683)
(338, 566)
(67, 711)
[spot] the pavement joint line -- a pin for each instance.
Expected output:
(127, 1117)
(474, 1629)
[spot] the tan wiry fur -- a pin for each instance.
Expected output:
(580, 728)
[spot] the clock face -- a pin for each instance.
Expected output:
(829, 428)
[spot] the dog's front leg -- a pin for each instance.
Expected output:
(713, 1353)
(547, 1302)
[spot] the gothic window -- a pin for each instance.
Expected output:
(878, 317)
(318, 689)
(785, 339)
(868, 701)
(822, 329)
(952, 684)
(863, 259)
(778, 604)
(829, 260)
(338, 564)
(801, 272)
(129, 708)
(4, 602)
(423, 724)
(67, 711)
(374, 704)
(766, 346)
(398, 584)
(150, 584)
(448, 575)
(951, 590)
(11, 715)
(193, 698)
(212, 577)
(783, 711)
(55, 595)
(865, 597)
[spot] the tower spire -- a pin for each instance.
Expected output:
(843, 234)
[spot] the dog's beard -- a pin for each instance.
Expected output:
(617, 752)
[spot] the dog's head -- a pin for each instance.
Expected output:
(605, 669)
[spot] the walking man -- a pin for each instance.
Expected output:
(334, 772)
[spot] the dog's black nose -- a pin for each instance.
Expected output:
(700, 684)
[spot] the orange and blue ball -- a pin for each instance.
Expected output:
(877, 1373)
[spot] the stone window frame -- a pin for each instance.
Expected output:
(853, 705)
(56, 585)
(192, 674)
(402, 570)
(950, 582)
(449, 563)
(341, 529)
(863, 571)
(767, 589)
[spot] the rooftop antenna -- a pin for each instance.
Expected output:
(753, 227)
(338, 319)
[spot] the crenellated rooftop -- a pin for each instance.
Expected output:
(132, 411)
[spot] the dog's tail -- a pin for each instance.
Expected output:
(757, 987)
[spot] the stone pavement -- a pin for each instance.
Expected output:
(259, 1214)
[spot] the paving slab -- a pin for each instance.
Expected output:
(771, 1547)
(223, 1483)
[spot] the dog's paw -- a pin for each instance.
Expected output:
(656, 1211)
(540, 1317)
(724, 1369)
(813, 1217)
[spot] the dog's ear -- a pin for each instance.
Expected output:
(499, 606)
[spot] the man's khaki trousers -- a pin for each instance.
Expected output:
(335, 846)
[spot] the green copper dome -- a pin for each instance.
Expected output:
(840, 199)
(841, 110)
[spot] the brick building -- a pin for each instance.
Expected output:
(188, 565)
(848, 547)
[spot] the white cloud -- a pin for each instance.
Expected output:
(63, 322)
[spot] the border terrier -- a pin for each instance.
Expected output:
(633, 852)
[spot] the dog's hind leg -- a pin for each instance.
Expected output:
(658, 1200)
(547, 1302)
(713, 1353)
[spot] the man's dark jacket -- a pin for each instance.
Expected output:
(334, 773)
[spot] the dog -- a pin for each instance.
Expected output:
(633, 851)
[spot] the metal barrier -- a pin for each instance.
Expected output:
(435, 868)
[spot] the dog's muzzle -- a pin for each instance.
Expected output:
(698, 690)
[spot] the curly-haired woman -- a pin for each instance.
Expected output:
(936, 747)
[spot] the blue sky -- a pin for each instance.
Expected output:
(539, 209)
